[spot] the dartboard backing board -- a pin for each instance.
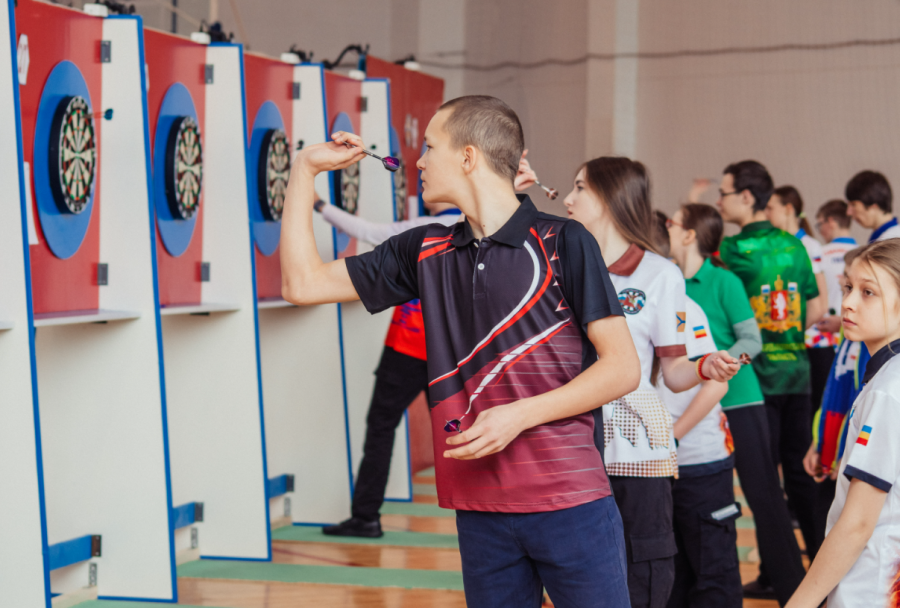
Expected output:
(171, 60)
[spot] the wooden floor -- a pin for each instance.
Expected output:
(261, 594)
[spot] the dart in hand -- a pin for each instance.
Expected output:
(551, 192)
(390, 163)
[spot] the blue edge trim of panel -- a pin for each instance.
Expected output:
(69, 552)
(278, 486)
(10, 6)
(151, 209)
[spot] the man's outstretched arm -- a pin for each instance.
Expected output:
(305, 278)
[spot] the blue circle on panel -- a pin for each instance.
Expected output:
(341, 122)
(64, 231)
(176, 233)
(266, 233)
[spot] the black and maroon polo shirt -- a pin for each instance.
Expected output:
(505, 319)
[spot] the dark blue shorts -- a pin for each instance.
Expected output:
(577, 554)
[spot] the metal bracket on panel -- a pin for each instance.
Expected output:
(92, 575)
(195, 538)
(208, 73)
(287, 506)
(198, 511)
(102, 274)
(363, 104)
(96, 546)
(105, 51)
(295, 90)
(289, 483)
(204, 272)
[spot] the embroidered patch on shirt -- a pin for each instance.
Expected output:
(863, 438)
(700, 332)
(680, 320)
(632, 300)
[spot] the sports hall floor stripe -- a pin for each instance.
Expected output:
(325, 575)
(123, 604)
(311, 534)
(425, 489)
(415, 509)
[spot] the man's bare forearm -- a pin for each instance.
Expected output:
(305, 278)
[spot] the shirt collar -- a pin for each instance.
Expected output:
(448, 212)
(703, 272)
(512, 233)
(880, 358)
(755, 226)
(882, 229)
(800, 233)
(628, 263)
(849, 240)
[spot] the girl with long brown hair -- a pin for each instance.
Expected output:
(611, 198)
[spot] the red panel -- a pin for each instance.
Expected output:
(415, 95)
(56, 34)
(265, 80)
(171, 59)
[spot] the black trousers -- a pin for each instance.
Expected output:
(820, 360)
(645, 504)
(791, 432)
(707, 573)
(758, 474)
(398, 381)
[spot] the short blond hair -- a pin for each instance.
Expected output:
(490, 125)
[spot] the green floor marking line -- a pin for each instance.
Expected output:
(311, 534)
(121, 604)
(742, 500)
(745, 523)
(415, 509)
(425, 488)
(324, 575)
(744, 553)
(429, 472)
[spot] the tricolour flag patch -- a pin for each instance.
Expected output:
(864, 434)
(700, 332)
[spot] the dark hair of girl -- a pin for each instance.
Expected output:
(706, 222)
(624, 187)
(790, 196)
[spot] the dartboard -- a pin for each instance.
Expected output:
(73, 154)
(274, 171)
(184, 168)
(350, 188)
(400, 191)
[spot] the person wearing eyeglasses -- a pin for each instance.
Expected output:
(779, 281)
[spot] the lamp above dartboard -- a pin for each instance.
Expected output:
(184, 168)
(72, 154)
(274, 170)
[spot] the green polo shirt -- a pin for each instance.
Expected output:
(721, 296)
(778, 278)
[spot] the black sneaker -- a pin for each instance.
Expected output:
(754, 590)
(355, 527)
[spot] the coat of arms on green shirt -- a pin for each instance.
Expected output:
(778, 309)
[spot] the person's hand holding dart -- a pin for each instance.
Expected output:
(526, 177)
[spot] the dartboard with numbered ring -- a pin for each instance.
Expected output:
(184, 168)
(73, 154)
(350, 188)
(274, 171)
(400, 191)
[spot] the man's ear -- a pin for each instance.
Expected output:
(747, 198)
(470, 159)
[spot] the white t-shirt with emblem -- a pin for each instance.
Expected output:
(833, 266)
(872, 455)
(638, 427)
(814, 338)
(709, 441)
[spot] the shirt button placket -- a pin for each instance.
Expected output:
(479, 280)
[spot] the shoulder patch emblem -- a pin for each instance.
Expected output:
(680, 321)
(632, 300)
